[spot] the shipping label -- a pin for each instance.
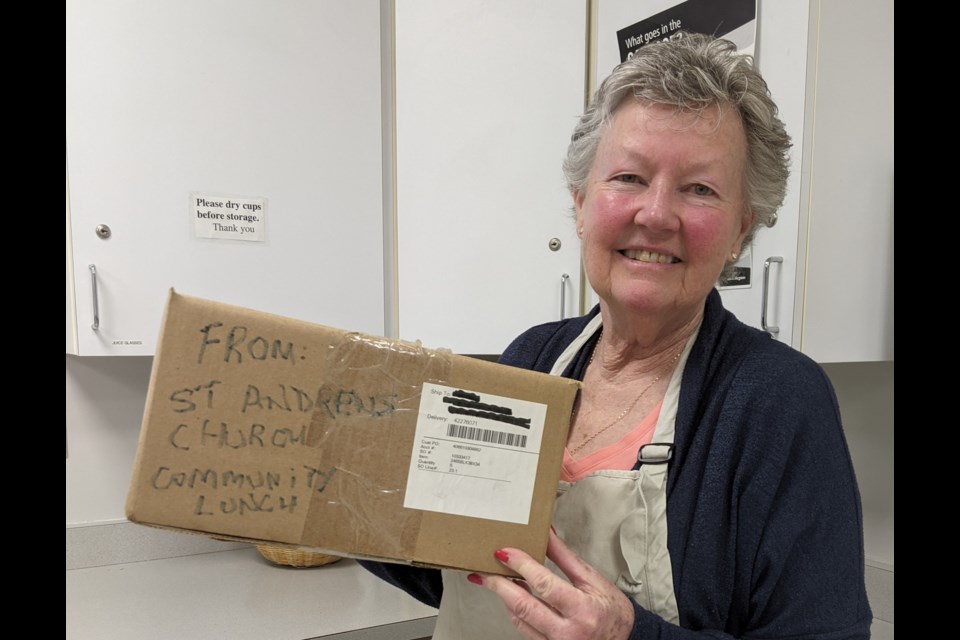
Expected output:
(475, 454)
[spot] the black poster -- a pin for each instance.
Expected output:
(714, 17)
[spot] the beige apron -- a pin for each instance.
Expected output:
(615, 520)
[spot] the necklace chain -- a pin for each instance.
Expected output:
(632, 404)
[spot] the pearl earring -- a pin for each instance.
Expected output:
(734, 256)
(580, 231)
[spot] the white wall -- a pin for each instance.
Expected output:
(105, 400)
(865, 392)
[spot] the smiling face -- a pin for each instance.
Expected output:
(663, 209)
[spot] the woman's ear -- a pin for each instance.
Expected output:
(746, 223)
(578, 197)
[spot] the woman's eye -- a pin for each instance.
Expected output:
(702, 190)
(629, 177)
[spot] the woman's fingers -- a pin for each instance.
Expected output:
(541, 581)
(528, 614)
(548, 606)
(581, 574)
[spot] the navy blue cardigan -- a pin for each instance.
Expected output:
(765, 527)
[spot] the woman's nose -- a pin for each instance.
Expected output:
(657, 208)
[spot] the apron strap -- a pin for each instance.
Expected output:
(660, 450)
(574, 347)
(655, 453)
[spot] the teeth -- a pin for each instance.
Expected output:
(649, 256)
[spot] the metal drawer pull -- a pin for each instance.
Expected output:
(96, 307)
(563, 295)
(766, 291)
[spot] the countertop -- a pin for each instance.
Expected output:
(239, 595)
(235, 593)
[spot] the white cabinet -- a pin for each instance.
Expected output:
(487, 94)
(846, 312)
(778, 39)
(276, 102)
(829, 67)
(781, 56)
(472, 240)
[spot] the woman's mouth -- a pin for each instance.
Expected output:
(649, 256)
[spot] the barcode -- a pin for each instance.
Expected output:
(487, 435)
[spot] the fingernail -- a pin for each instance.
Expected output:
(501, 555)
(475, 579)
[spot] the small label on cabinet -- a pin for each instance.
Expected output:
(229, 217)
(738, 276)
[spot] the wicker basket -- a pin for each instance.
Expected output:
(295, 557)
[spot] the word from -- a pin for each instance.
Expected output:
(236, 345)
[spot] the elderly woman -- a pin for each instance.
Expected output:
(706, 490)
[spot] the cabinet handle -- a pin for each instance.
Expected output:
(766, 294)
(96, 307)
(563, 295)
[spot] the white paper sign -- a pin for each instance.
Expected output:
(475, 454)
(229, 217)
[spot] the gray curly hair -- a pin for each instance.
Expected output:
(695, 72)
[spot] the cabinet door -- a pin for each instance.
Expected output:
(781, 56)
(847, 315)
(778, 39)
(278, 103)
(487, 94)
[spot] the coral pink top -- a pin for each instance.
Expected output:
(621, 455)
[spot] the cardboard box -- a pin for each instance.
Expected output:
(267, 429)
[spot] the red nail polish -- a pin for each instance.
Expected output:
(475, 579)
(501, 555)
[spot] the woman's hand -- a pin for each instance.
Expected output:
(544, 605)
